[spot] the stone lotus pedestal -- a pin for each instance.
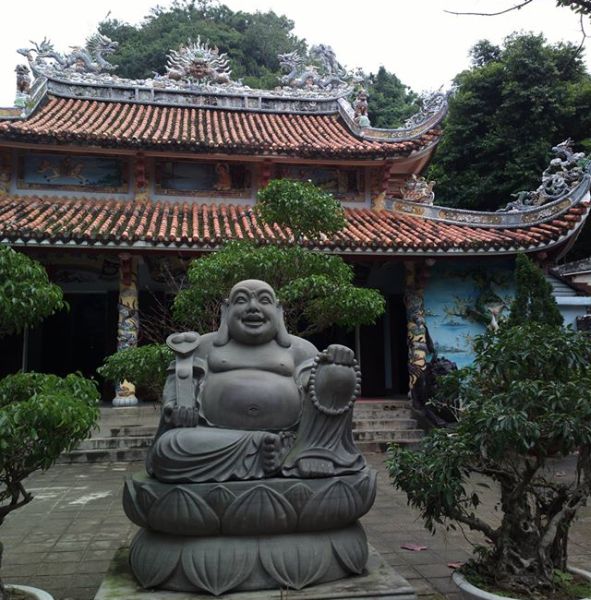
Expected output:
(275, 533)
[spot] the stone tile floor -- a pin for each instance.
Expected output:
(64, 539)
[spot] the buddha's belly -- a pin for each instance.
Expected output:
(250, 399)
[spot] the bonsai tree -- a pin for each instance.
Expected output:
(526, 399)
(40, 415)
(316, 289)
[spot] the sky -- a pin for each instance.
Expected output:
(415, 39)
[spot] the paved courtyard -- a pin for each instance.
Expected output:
(64, 539)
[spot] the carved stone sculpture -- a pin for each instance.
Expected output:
(253, 480)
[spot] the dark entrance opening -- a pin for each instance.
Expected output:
(77, 339)
(383, 349)
(384, 352)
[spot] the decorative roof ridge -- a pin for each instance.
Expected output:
(434, 109)
(505, 220)
(574, 267)
(198, 76)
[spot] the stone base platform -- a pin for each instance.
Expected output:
(380, 582)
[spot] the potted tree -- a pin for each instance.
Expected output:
(526, 401)
(41, 415)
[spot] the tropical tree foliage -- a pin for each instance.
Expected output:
(251, 40)
(40, 415)
(511, 107)
(391, 102)
(526, 399)
(26, 295)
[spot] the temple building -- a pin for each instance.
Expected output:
(113, 184)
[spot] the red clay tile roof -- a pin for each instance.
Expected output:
(197, 227)
(201, 130)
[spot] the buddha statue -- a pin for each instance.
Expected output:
(254, 445)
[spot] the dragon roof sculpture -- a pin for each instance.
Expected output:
(198, 62)
(326, 73)
(560, 177)
(44, 59)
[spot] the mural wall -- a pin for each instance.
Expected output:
(344, 184)
(461, 300)
(72, 172)
(182, 178)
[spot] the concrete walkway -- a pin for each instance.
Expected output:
(64, 539)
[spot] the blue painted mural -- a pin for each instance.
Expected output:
(72, 172)
(461, 300)
(202, 178)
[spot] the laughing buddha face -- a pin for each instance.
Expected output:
(253, 312)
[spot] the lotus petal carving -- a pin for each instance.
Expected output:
(182, 512)
(146, 497)
(260, 510)
(335, 505)
(298, 495)
(219, 499)
(297, 564)
(218, 565)
(153, 562)
(351, 552)
(367, 488)
(130, 504)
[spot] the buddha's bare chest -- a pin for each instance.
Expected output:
(254, 393)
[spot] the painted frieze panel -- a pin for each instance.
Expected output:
(182, 178)
(462, 301)
(38, 171)
(344, 183)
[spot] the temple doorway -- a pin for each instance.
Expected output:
(77, 339)
(382, 347)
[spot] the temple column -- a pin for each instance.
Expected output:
(414, 295)
(128, 322)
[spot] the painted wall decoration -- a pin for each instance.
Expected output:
(39, 171)
(5, 172)
(461, 301)
(203, 178)
(345, 184)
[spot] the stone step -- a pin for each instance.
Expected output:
(109, 443)
(382, 447)
(400, 436)
(103, 456)
(132, 431)
(383, 423)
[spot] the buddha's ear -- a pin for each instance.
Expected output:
(282, 337)
(223, 335)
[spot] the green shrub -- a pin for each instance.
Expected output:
(144, 366)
